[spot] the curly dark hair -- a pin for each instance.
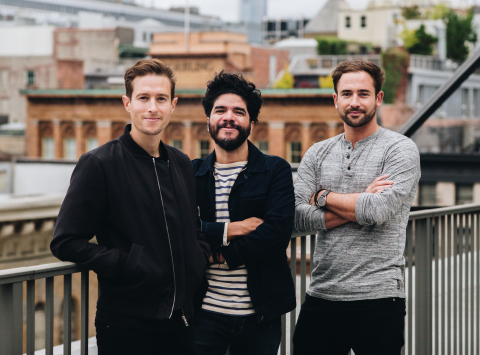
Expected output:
(227, 83)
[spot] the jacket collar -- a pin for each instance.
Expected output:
(256, 161)
(133, 146)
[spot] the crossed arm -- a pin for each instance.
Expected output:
(340, 208)
(376, 205)
(235, 230)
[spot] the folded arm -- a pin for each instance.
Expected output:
(383, 198)
(273, 235)
(307, 216)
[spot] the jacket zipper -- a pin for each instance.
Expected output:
(169, 242)
(184, 318)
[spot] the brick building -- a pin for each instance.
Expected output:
(64, 124)
(195, 61)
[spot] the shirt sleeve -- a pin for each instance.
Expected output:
(402, 164)
(225, 235)
(307, 217)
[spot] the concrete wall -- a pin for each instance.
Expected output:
(13, 78)
(97, 48)
(41, 178)
(262, 64)
(380, 29)
(26, 41)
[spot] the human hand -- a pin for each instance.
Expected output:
(379, 184)
(247, 226)
(219, 259)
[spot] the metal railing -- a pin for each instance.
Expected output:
(429, 62)
(12, 309)
(443, 292)
(305, 64)
(441, 282)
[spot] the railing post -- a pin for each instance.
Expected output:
(423, 286)
(11, 319)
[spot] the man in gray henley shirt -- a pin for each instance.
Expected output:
(356, 190)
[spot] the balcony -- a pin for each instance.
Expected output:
(443, 293)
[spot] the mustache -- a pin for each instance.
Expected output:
(356, 110)
(228, 124)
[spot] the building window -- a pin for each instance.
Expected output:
(363, 21)
(70, 148)
(30, 77)
(347, 22)
(295, 152)
(204, 148)
(144, 36)
(427, 194)
(176, 143)
(48, 148)
(91, 143)
(263, 146)
(463, 194)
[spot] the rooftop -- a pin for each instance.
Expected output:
(185, 93)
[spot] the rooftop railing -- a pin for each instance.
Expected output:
(441, 283)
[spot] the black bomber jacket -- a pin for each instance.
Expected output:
(115, 195)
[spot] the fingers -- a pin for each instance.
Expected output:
(380, 189)
(216, 259)
(382, 183)
(380, 178)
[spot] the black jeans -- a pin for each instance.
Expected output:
(167, 337)
(368, 327)
(245, 336)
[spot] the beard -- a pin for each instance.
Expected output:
(229, 144)
(367, 117)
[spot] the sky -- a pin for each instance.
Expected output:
(227, 10)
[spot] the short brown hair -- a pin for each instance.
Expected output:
(354, 66)
(146, 67)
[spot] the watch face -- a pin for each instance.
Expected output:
(322, 201)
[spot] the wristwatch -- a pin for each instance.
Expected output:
(321, 201)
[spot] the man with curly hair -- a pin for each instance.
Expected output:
(247, 206)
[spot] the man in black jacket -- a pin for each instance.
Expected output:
(135, 195)
(247, 206)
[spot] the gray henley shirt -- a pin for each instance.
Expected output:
(362, 260)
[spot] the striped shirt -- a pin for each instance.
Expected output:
(227, 288)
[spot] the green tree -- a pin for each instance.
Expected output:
(331, 46)
(287, 80)
(395, 63)
(411, 12)
(440, 11)
(423, 43)
(460, 31)
(408, 38)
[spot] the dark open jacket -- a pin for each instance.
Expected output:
(263, 190)
(114, 194)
